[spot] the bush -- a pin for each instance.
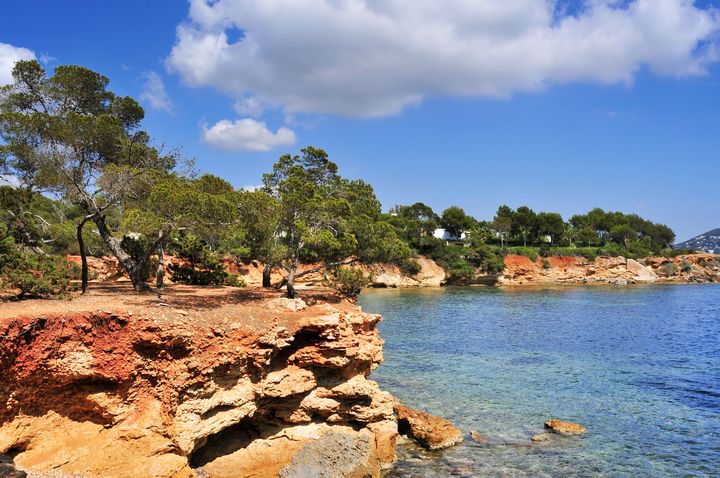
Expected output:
(669, 269)
(202, 267)
(350, 282)
(40, 276)
(410, 266)
(685, 266)
(546, 264)
(234, 280)
(529, 252)
(136, 245)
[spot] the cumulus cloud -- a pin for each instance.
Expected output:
(246, 135)
(9, 55)
(374, 57)
(154, 92)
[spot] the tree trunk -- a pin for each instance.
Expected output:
(83, 256)
(291, 293)
(160, 277)
(266, 282)
(126, 262)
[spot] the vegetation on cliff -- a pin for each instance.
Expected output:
(82, 159)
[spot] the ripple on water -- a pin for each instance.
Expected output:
(640, 367)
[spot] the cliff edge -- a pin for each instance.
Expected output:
(212, 382)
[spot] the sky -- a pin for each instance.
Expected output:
(561, 105)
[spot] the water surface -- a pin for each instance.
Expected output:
(638, 366)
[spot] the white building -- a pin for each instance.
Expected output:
(448, 237)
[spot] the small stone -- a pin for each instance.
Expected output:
(565, 428)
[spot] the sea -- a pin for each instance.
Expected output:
(638, 366)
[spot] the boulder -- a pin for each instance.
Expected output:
(428, 430)
(640, 272)
(335, 455)
(565, 428)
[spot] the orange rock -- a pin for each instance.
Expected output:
(565, 428)
(430, 431)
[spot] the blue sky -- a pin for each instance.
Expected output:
(562, 106)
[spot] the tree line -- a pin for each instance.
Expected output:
(92, 181)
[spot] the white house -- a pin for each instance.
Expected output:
(448, 237)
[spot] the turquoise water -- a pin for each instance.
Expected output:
(638, 366)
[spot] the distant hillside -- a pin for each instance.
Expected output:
(708, 242)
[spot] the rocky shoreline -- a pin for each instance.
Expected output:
(219, 385)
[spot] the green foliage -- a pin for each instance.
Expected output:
(410, 266)
(484, 258)
(455, 221)
(350, 282)
(546, 264)
(202, 266)
(41, 276)
(322, 217)
(685, 266)
(234, 280)
(136, 246)
(35, 275)
(529, 252)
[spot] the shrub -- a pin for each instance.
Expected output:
(529, 252)
(202, 267)
(410, 266)
(685, 266)
(350, 282)
(669, 269)
(136, 245)
(546, 264)
(234, 280)
(40, 276)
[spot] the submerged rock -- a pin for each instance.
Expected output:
(428, 430)
(541, 437)
(565, 428)
(478, 437)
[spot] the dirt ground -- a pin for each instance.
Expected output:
(253, 308)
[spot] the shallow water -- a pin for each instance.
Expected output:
(638, 366)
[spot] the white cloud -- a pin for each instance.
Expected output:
(375, 57)
(9, 55)
(154, 92)
(246, 135)
(252, 187)
(249, 106)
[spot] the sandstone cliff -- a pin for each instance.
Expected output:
(692, 268)
(212, 383)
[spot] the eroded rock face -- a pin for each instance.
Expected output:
(520, 270)
(113, 393)
(430, 431)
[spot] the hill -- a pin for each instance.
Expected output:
(708, 242)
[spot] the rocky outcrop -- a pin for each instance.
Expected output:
(215, 382)
(430, 431)
(319, 458)
(520, 270)
(391, 275)
(564, 428)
